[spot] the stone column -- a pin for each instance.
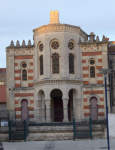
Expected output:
(48, 117)
(65, 109)
(38, 113)
(78, 108)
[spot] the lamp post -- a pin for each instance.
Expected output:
(105, 72)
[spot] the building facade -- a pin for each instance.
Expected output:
(57, 77)
(2, 88)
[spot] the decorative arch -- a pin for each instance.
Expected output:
(54, 40)
(73, 46)
(39, 95)
(91, 57)
(93, 95)
(19, 101)
(40, 46)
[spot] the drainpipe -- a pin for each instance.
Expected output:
(110, 81)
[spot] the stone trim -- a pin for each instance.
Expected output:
(57, 28)
(20, 99)
(57, 81)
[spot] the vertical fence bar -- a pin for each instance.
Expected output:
(74, 134)
(25, 130)
(90, 128)
(9, 130)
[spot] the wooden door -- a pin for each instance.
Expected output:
(93, 108)
(58, 109)
(24, 110)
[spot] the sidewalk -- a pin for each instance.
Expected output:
(95, 144)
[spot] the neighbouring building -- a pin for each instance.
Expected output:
(2, 88)
(57, 76)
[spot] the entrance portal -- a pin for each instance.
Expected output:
(58, 109)
(24, 110)
(56, 106)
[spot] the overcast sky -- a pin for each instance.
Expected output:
(19, 17)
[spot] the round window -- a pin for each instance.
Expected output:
(55, 45)
(41, 47)
(71, 45)
(24, 65)
(92, 62)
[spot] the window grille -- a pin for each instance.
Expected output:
(71, 63)
(92, 72)
(55, 63)
(24, 75)
(41, 65)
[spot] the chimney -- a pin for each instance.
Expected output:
(54, 17)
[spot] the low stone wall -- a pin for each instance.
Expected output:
(50, 133)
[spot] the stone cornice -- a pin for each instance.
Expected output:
(58, 28)
(57, 81)
(20, 47)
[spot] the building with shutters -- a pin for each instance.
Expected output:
(57, 76)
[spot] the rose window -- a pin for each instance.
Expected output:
(71, 45)
(41, 47)
(55, 45)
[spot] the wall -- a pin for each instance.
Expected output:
(111, 120)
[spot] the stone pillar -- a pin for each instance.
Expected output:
(65, 109)
(48, 117)
(78, 108)
(38, 113)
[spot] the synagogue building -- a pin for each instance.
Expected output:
(57, 77)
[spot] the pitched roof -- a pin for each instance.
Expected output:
(2, 70)
(2, 93)
(111, 49)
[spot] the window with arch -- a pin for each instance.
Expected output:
(41, 65)
(71, 63)
(24, 72)
(92, 68)
(55, 63)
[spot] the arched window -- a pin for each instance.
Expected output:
(55, 63)
(41, 65)
(92, 72)
(92, 68)
(71, 63)
(24, 75)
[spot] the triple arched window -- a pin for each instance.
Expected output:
(41, 65)
(71, 63)
(55, 63)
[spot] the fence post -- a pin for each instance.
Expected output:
(25, 130)
(9, 130)
(74, 134)
(90, 128)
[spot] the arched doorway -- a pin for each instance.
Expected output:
(93, 108)
(24, 110)
(40, 112)
(56, 106)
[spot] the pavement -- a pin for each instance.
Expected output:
(95, 144)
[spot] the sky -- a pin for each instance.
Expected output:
(19, 17)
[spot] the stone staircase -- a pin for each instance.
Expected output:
(18, 134)
(82, 130)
